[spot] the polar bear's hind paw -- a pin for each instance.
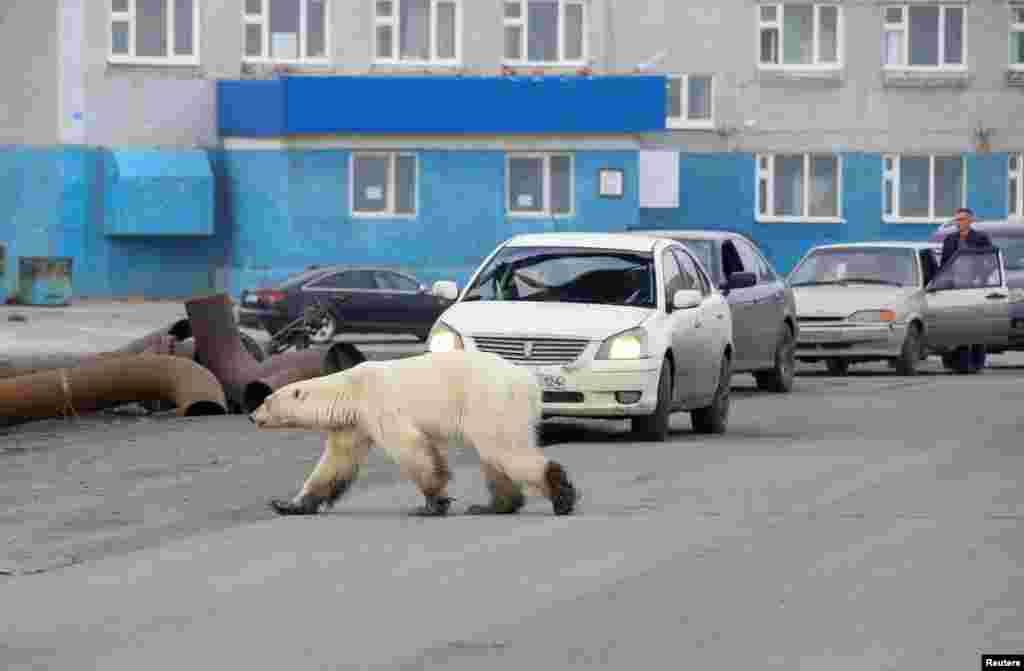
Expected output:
(436, 506)
(305, 506)
(563, 493)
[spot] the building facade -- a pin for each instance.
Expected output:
(173, 147)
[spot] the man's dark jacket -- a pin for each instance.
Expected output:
(952, 242)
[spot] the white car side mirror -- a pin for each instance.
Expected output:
(684, 299)
(446, 289)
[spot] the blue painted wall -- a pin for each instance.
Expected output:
(55, 202)
(276, 212)
(291, 210)
(160, 192)
(457, 104)
(717, 191)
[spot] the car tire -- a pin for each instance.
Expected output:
(910, 355)
(715, 417)
(327, 331)
(780, 378)
(655, 426)
(837, 366)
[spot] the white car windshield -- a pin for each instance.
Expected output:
(886, 266)
(567, 275)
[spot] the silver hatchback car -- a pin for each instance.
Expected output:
(889, 301)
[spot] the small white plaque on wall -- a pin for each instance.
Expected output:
(611, 183)
(659, 178)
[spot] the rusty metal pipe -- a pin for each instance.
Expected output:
(120, 378)
(161, 341)
(295, 366)
(219, 348)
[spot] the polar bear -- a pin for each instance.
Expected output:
(412, 408)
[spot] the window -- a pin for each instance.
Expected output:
(285, 31)
(545, 32)
(800, 35)
(970, 270)
(799, 186)
(394, 282)
(351, 279)
(690, 101)
(925, 36)
(1017, 36)
(383, 184)
(164, 32)
(1016, 185)
(540, 184)
(417, 31)
(922, 189)
(691, 273)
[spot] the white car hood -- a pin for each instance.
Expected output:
(529, 319)
(840, 302)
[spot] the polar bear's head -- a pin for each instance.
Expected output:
(327, 403)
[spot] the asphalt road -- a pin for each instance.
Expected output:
(865, 522)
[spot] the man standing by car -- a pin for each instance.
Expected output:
(965, 237)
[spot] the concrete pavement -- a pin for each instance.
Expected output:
(866, 522)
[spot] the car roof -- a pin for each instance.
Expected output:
(895, 244)
(691, 234)
(623, 241)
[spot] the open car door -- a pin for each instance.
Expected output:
(968, 301)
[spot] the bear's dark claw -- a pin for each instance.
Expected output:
(563, 494)
(436, 506)
(306, 506)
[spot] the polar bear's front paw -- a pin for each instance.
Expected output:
(304, 506)
(436, 506)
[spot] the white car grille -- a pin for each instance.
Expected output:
(537, 351)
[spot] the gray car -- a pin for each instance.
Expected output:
(889, 301)
(1008, 236)
(762, 305)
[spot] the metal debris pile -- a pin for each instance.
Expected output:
(202, 365)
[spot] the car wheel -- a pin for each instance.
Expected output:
(910, 355)
(837, 366)
(655, 426)
(780, 378)
(715, 417)
(328, 329)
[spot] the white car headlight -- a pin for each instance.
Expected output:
(631, 344)
(444, 338)
(874, 316)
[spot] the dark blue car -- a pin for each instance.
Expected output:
(360, 299)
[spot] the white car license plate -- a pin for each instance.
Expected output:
(551, 381)
(821, 336)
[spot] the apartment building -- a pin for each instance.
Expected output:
(177, 146)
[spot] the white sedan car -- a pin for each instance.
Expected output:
(615, 326)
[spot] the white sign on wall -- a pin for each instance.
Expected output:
(659, 178)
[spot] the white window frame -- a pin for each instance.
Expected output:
(545, 211)
(891, 175)
(391, 187)
(768, 174)
(778, 23)
(170, 59)
(1015, 27)
(523, 22)
(394, 23)
(904, 28)
(263, 20)
(684, 102)
(1015, 170)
